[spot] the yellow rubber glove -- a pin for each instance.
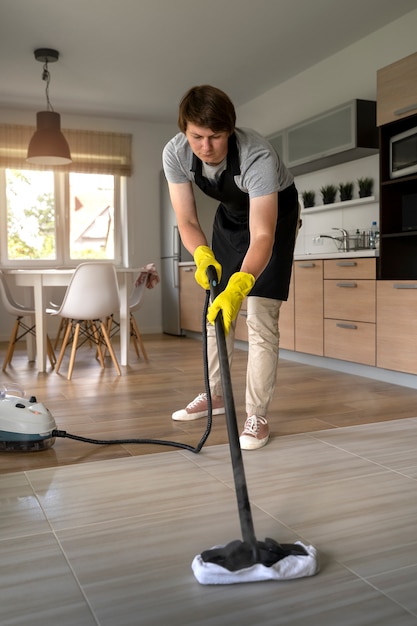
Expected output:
(204, 257)
(230, 300)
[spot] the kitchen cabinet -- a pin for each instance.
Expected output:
(337, 136)
(350, 310)
(397, 90)
(286, 320)
(192, 299)
(308, 298)
(396, 113)
(398, 246)
(342, 134)
(337, 309)
(396, 346)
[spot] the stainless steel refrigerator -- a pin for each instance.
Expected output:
(173, 253)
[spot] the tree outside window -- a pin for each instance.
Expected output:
(83, 205)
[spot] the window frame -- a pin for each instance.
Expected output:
(62, 225)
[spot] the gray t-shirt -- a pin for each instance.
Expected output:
(261, 170)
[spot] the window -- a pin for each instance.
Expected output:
(69, 214)
(58, 218)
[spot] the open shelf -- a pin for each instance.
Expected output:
(339, 205)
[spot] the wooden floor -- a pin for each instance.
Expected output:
(98, 404)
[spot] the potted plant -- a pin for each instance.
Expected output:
(309, 199)
(346, 191)
(328, 193)
(366, 186)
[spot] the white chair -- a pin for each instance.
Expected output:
(20, 327)
(91, 297)
(136, 301)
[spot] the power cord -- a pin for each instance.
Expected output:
(163, 442)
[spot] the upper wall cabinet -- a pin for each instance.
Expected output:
(343, 134)
(340, 135)
(397, 90)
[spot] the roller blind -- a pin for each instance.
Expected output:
(92, 152)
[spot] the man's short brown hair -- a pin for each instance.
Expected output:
(208, 107)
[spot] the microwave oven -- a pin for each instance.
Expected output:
(403, 154)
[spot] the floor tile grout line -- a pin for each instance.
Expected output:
(364, 458)
(368, 582)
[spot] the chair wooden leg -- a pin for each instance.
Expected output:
(51, 352)
(97, 341)
(62, 328)
(12, 343)
(137, 336)
(64, 346)
(109, 325)
(73, 350)
(110, 347)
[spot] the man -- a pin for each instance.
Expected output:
(252, 245)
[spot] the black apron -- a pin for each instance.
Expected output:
(230, 240)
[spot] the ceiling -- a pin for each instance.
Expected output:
(135, 58)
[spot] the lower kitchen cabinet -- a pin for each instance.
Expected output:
(350, 310)
(286, 321)
(337, 309)
(350, 341)
(308, 296)
(192, 299)
(397, 325)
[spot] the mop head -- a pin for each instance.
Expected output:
(223, 565)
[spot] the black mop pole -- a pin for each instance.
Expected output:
(245, 514)
(239, 554)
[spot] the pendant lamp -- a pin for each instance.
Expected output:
(48, 145)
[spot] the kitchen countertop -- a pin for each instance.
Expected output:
(354, 254)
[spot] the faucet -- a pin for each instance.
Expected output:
(343, 239)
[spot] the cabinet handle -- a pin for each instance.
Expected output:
(346, 285)
(345, 325)
(406, 286)
(346, 263)
(412, 107)
(187, 269)
(310, 264)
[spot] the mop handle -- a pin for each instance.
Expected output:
(245, 515)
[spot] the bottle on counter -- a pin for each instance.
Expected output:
(374, 236)
(358, 239)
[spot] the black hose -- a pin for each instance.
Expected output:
(163, 442)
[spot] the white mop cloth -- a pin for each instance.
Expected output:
(292, 566)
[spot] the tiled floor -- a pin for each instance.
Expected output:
(111, 542)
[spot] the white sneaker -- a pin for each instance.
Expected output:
(199, 408)
(255, 433)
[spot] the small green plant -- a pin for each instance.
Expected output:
(309, 199)
(346, 191)
(328, 193)
(366, 186)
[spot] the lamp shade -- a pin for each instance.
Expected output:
(48, 145)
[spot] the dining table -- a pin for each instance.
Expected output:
(42, 279)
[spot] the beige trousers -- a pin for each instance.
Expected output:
(263, 348)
